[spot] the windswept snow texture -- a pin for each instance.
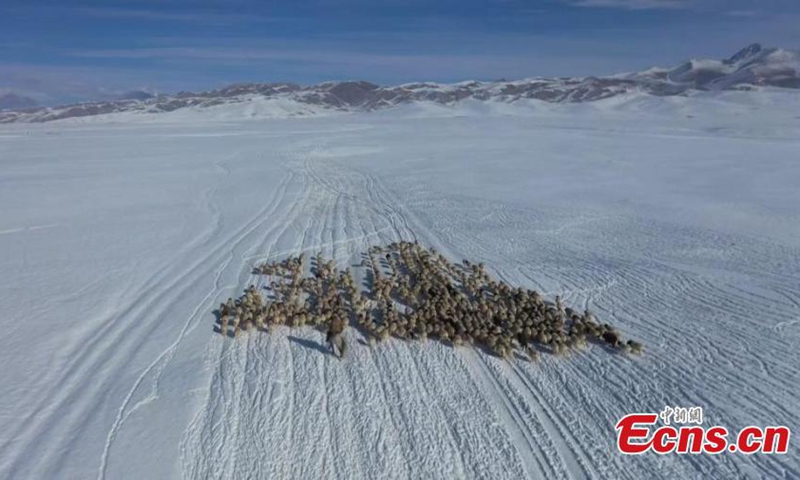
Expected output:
(676, 219)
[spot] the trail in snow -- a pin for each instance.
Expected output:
(123, 376)
(543, 434)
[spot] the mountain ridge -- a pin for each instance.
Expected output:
(751, 68)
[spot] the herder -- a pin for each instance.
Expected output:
(335, 338)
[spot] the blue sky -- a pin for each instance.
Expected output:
(69, 51)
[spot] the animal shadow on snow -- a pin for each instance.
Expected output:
(369, 275)
(309, 344)
(218, 324)
(597, 342)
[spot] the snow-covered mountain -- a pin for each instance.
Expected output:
(751, 68)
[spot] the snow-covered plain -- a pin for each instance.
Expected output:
(676, 219)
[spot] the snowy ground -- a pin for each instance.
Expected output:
(676, 219)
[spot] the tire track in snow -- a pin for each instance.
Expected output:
(607, 287)
(288, 224)
(89, 347)
(527, 448)
(120, 329)
(575, 462)
(284, 224)
(163, 360)
(486, 449)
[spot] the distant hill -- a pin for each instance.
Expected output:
(752, 68)
(12, 101)
(136, 95)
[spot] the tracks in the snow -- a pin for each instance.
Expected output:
(319, 423)
(278, 406)
(124, 375)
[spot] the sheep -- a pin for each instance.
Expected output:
(533, 354)
(236, 329)
(636, 347)
(223, 326)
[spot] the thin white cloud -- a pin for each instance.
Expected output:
(441, 53)
(205, 17)
(321, 58)
(635, 4)
(49, 84)
(743, 13)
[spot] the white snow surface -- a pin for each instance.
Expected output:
(676, 219)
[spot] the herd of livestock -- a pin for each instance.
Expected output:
(414, 293)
